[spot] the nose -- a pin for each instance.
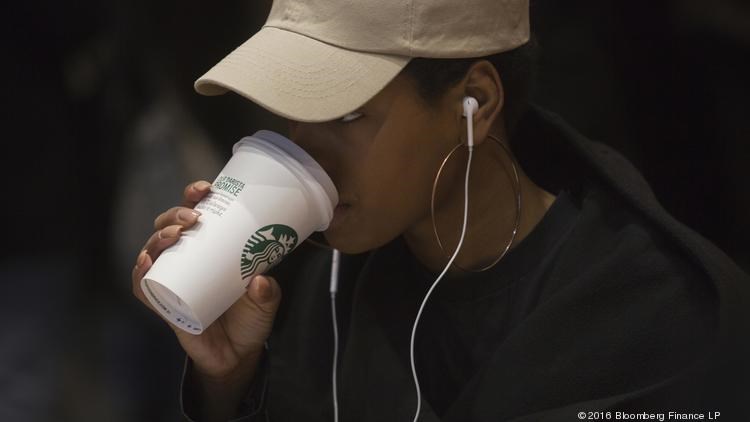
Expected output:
(308, 134)
(318, 141)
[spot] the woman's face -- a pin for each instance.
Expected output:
(383, 159)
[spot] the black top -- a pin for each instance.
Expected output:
(607, 305)
(467, 318)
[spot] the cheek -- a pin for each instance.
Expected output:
(398, 176)
(390, 168)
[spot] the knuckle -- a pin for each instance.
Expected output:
(166, 218)
(182, 216)
(173, 214)
(158, 220)
(192, 189)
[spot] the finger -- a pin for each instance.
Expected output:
(162, 239)
(142, 265)
(252, 316)
(265, 294)
(262, 297)
(181, 216)
(194, 192)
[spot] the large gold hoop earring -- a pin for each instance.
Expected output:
(516, 189)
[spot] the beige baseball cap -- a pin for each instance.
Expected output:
(317, 60)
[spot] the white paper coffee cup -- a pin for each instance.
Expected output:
(269, 197)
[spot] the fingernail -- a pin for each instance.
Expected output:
(169, 232)
(187, 216)
(263, 288)
(202, 185)
(141, 259)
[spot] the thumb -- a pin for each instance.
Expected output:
(265, 292)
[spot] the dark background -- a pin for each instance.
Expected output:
(101, 130)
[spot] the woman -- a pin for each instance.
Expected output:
(588, 296)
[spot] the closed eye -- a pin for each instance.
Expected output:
(351, 117)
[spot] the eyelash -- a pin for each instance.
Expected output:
(348, 118)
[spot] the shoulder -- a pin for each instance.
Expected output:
(640, 321)
(624, 299)
(615, 253)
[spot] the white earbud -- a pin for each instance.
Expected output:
(471, 105)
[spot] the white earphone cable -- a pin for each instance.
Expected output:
(470, 142)
(336, 257)
(335, 262)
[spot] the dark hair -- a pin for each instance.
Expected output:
(516, 67)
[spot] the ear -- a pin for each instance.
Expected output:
(483, 83)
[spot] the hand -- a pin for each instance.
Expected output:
(228, 350)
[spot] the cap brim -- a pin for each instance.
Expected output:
(299, 77)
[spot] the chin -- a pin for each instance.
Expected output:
(351, 244)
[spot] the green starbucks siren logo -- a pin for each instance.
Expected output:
(266, 247)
